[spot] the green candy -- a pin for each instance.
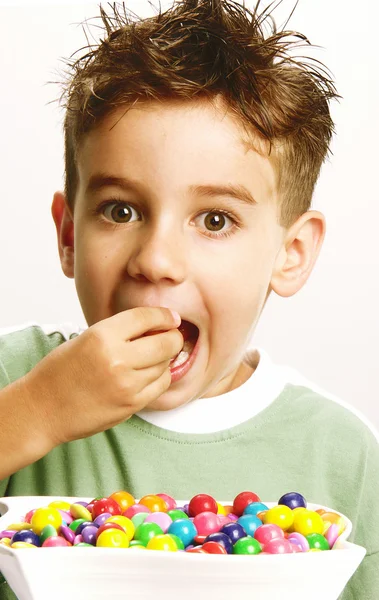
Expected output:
(146, 531)
(47, 531)
(247, 545)
(177, 541)
(318, 541)
(83, 544)
(75, 524)
(175, 514)
(138, 519)
(135, 543)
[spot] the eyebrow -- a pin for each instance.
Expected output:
(237, 191)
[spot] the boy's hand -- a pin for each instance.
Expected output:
(106, 374)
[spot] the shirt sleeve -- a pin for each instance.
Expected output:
(4, 381)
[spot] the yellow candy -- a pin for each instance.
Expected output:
(220, 509)
(162, 542)
(330, 518)
(125, 523)
(61, 504)
(80, 512)
(45, 516)
(22, 545)
(280, 515)
(112, 538)
(5, 542)
(19, 526)
(308, 521)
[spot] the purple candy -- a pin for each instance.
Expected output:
(85, 504)
(83, 526)
(89, 535)
(7, 533)
(67, 533)
(100, 520)
(185, 509)
(300, 540)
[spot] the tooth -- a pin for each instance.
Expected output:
(180, 359)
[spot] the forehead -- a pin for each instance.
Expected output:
(176, 144)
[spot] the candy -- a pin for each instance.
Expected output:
(203, 526)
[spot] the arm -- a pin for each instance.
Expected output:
(23, 436)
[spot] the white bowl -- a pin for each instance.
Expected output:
(109, 574)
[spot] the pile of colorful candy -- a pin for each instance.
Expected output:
(202, 526)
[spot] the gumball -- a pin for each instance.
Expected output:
(123, 499)
(22, 545)
(47, 531)
(280, 515)
(75, 524)
(220, 509)
(332, 534)
(45, 516)
(125, 523)
(28, 516)
(333, 518)
(154, 503)
(223, 520)
(278, 546)
(160, 518)
(250, 523)
(82, 526)
(146, 531)
(19, 526)
(83, 544)
(178, 541)
(176, 514)
(78, 539)
(112, 538)
(171, 502)
(78, 511)
(307, 522)
(184, 529)
(100, 520)
(196, 550)
(206, 523)
(242, 500)
(300, 540)
(247, 545)
(27, 536)
(293, 500)
(60, 504)
(214, 548)
(105, 505)
(219, 538)
(228, 508)
(55, 542)
(254, 508)
(162, 542)
(107, 527)
(268, 532)
(316, 540)
(89, 535)
(234, 531)
(67, 533)
(139, 518)
(136, 544)
(135, 509)
(295, 548)
(202, 503)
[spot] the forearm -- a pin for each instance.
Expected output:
(24, 433)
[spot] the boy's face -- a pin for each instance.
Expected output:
(170, 242)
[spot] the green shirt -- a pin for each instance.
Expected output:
(300, 440)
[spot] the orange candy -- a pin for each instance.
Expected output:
(123, 499)
(154, 503)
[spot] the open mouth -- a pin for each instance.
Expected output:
(190, 333)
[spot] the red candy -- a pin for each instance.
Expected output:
(242, 500)
(202, 503)
(214, 548)
(105, 505)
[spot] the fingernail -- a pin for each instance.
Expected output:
(177, 317)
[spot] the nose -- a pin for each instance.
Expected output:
(159, 255)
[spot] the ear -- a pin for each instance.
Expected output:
(64, 224)
(298, 254)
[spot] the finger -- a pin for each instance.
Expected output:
(133, 323)
(155, 389)
(152, 350)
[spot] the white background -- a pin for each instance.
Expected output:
(329, 330)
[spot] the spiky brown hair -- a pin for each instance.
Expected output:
(203, 49)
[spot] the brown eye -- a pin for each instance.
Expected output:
(118, 212)
(214, 221)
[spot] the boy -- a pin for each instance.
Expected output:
(192, 147)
